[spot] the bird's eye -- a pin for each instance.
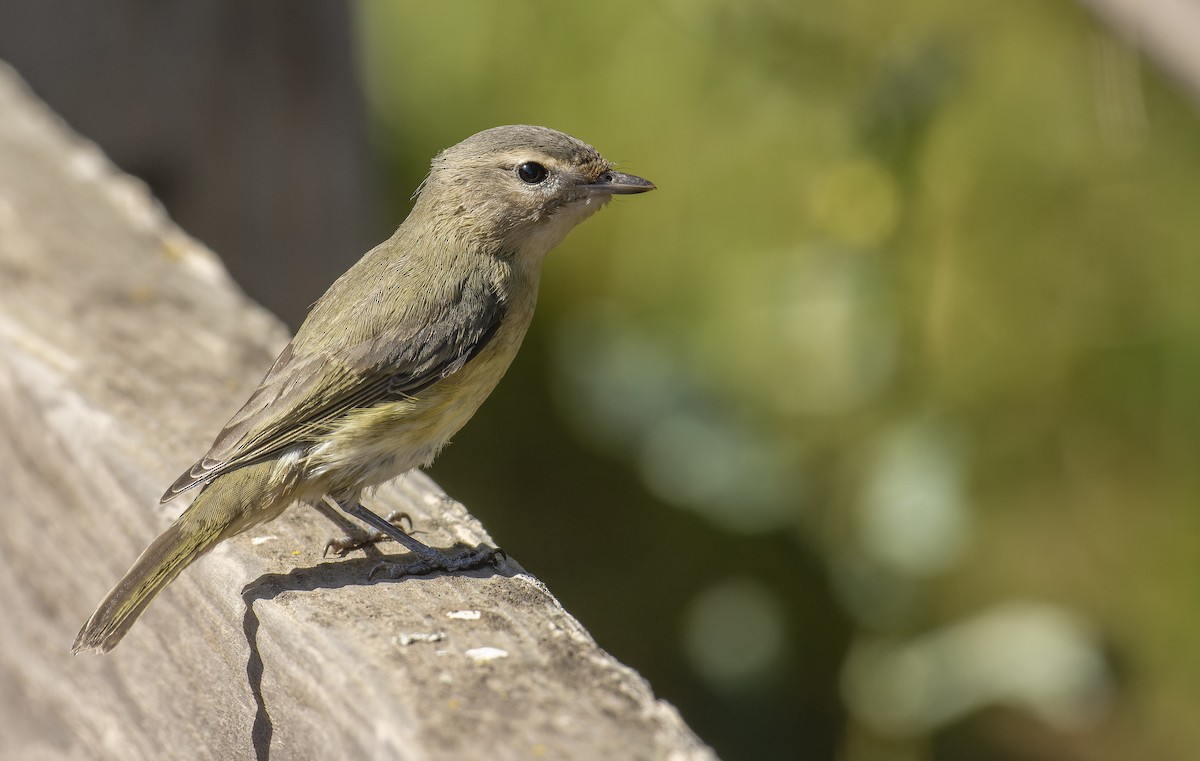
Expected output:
(532, 173)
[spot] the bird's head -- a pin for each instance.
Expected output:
(520, 187)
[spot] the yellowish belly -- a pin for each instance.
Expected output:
(374, 444)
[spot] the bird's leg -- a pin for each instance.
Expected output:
(428, 558)
(354, 537)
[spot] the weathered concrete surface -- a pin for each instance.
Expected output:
(123, 348)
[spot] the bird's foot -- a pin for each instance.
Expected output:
(342, 546)
(436, 560)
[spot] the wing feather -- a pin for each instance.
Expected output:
(301, 395)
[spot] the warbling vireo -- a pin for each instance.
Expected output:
(391, 361)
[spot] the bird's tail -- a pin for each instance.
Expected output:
(226, 507)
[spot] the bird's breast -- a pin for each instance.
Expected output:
(370, 445)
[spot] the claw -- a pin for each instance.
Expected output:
(470, 558)
(339, 546)
(343, 546)
(398, 518)
(347, 544)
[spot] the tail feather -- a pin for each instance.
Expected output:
(175, 549)
(229, 505)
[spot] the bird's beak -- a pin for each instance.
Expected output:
(616, 183)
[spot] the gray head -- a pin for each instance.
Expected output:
(521, 186)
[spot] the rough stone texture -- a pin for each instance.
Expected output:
(123, 347)
(1164, 29)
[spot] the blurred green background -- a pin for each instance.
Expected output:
(871, 434)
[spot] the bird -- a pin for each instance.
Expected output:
(390, 362)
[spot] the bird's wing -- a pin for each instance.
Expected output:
(303, 393)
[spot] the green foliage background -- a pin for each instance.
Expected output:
(872, 433)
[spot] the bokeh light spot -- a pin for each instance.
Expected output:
(734, 633)
(856, 202)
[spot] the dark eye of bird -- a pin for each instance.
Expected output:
(532, 172)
